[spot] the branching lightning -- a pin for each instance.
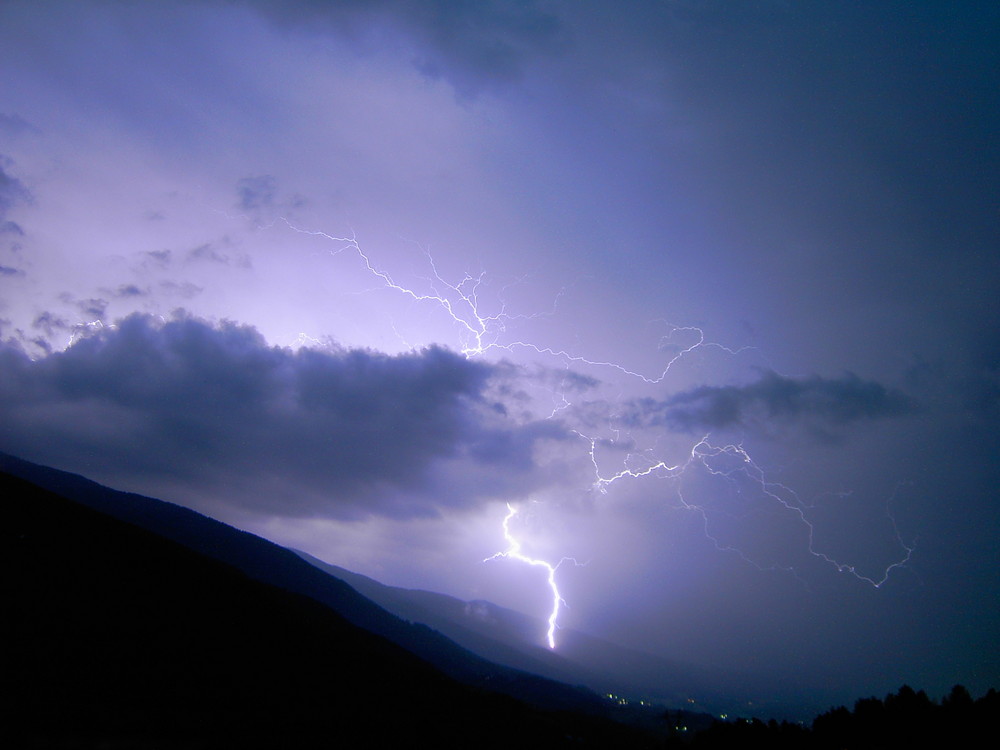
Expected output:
(701, 454)
(460, 301)
(514, 552)
(482, 332)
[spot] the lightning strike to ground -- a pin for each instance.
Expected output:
(514, 552)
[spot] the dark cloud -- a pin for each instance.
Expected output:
(208, 251)
(257, 197)
(50, 323)
(14, 125)
(184, 289)
(12, 193)
(820, 404)
(342, 433)
(475, 45)
(471, 44)
(9, 271)
(129, 290)
(159, 258)
(93, 307)
(512, 383)
(565, 380)
(256, 193)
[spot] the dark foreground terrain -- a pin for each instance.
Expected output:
(904, 719)
(118, 637)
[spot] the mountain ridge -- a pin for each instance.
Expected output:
(274, 565)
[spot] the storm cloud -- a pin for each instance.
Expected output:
(822, 405)
(471, 45)
(356, 432)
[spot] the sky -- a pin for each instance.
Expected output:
(705, 291)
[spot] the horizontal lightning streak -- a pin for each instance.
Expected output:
(701, 453)
(483, 331)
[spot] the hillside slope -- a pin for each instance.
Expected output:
(269, 563)
(119, 635)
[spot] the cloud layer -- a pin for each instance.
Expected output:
(338, 433)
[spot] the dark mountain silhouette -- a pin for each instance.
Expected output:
(118, 636)
(274, 565)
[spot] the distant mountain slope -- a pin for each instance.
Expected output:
(118, 636)
(277, 566)
(511, 638)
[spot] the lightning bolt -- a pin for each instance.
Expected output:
(702, 454)
(513, 551)
(481, 332)
(459, 300)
